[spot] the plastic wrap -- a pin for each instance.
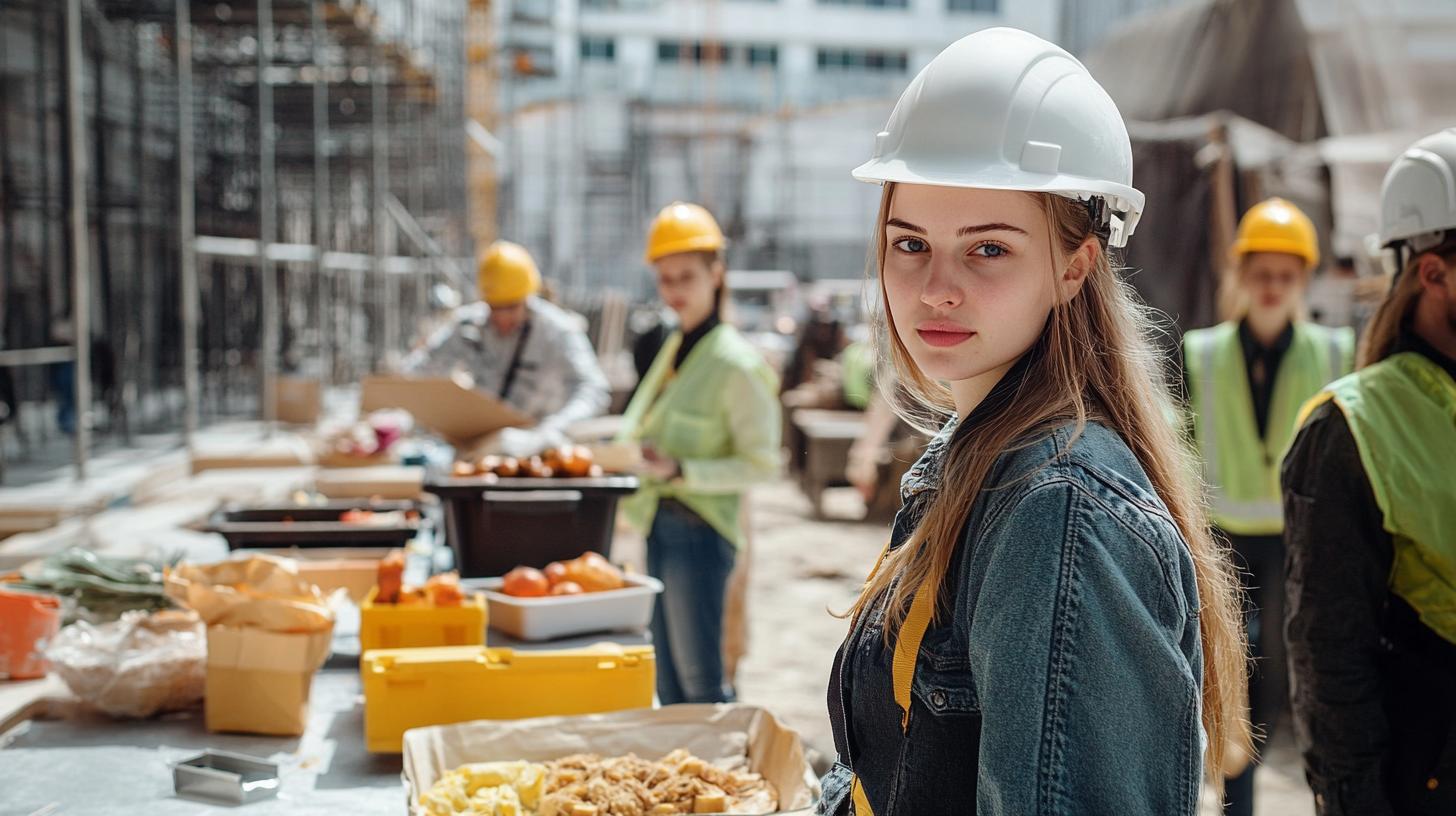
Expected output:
(138, 666)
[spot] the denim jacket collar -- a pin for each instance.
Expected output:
(925, 474)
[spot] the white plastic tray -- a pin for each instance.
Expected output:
(628, 609)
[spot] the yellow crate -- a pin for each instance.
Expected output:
(412, 688)
(387, 626)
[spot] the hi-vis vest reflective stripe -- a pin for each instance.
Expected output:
(1240, 467)
(907, 651)
(1402, 414)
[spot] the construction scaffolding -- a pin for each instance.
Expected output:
(176, 235)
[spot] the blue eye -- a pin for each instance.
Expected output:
(990, 251)
(911, 245)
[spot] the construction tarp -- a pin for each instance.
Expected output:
(1346, 83)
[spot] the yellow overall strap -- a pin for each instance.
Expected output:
(861, 802)
(907, 651)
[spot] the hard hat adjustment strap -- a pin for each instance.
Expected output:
(1100, 215)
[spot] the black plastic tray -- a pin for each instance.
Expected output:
(314, 525)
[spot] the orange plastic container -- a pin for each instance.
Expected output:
(27, 621)
(387, 626)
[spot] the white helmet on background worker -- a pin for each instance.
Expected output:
(1002, 109)
(1418, 197)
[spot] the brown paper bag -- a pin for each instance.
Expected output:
(268, 631)
(261, 592)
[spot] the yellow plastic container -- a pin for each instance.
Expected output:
(412, 688)
(387, 626)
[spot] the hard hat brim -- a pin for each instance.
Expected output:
(1295, 248)
(1126, 201)
(696, 243)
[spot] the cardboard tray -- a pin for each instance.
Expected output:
(379, 482)
(713, 732)
(352, 569)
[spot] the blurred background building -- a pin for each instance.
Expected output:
(312, 224)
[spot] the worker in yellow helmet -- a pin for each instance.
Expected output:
(1246, 380)
(707, 417)
(532, 354)
(1370, 498)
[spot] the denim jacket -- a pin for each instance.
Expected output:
(1064, 676)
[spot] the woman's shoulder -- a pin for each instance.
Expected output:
(1092, 460)
(731, 349)
(1107, 508)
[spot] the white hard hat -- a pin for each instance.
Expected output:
(1002, 109)
(1418, 198)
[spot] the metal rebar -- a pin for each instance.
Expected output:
(321, 185)
(79, 236)
(187, 225)
(267, 214)
(383, 284)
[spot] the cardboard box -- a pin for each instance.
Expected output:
(328, 458)
(386, 482)
(460, 415)
(278, 452)
(258, 682)
(717, 733)
(297, 400)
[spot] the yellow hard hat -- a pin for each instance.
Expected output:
(508, 274)
(1275, 225)
(683, 228)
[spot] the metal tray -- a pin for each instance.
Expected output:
(226, 777)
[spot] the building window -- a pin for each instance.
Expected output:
(977, 6)
(698, 52)
(760, 56)
(837, 59)
(866, 3)
(603, 49)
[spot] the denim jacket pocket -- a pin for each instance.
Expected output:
(944, 687)
(836, 785)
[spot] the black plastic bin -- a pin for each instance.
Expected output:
(494, 524)
(313, 525)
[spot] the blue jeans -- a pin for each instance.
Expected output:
(63, 391)
(693, 562)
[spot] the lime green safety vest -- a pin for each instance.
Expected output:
(718, 415)
(1242, 469)
(857, 367)
(1402, 414)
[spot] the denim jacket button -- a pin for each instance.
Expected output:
(937, 699)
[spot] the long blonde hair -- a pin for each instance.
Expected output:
(1095, 361)
(1383, 333)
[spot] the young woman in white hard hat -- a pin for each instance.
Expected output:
(1052, 628)
(1370, 525)
(707, 417)
(1246, 380)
